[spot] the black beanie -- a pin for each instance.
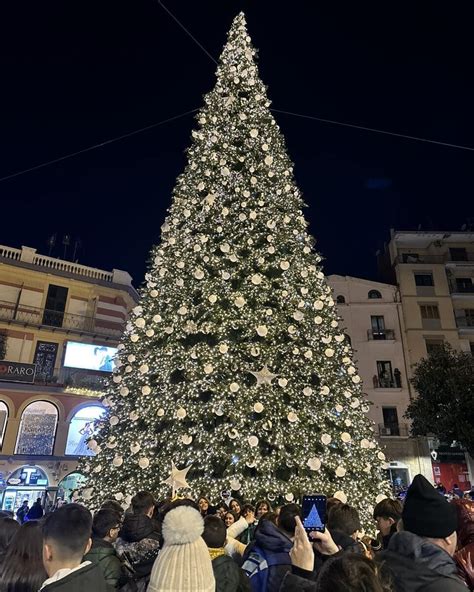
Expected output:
(426, 512)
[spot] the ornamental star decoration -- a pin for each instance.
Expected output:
(263, 376)
(177, 479)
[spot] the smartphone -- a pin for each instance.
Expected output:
(313, 510)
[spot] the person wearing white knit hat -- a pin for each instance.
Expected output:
(184, 564)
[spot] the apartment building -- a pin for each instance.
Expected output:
(372, 317)
(60, 323)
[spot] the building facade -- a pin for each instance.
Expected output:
(434, 272)
(60, 323)
(372, 317)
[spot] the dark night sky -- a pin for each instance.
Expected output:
(78, 73)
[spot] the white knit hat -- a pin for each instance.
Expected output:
(184, 563)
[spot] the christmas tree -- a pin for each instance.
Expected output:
(313, 519)
(234, 361)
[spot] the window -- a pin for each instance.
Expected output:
(55, 306)
(378, 327)
(458, 254)
(37, 429)
(82, 427)
(469, 317)
(429, 311)
(374, 294)
(3, 421)
(464, 285)
(340, 299)
(390, 421)
(385, 375)
(45, 359)
(424, 279)
(433, 345)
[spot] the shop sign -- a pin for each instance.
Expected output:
(17, 371)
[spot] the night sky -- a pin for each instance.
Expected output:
(76, 73)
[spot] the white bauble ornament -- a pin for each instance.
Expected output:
(160, 412)
(144, 462)
(298, 315)
(113, 420)
(355, 403)
(253, 133)
(233, 387)
(98, 469)
(318, 305)
(182, 310)
(255, 351)
(314, 463)
(318, 320)
(233, 434)
(339, 408)
(235, 485)
(346, 437)
(223, 348)
(143, 369)
(128, 369)
(325, 390)
(351, 370)
(124, 391)
(134, 338)
(292, 417)
(239, 301)
(262, 330)
(253, 441)
(219, 412)
(282, 382)
(185, 439)
(225, 247)
(146, 390)
(381, 456)
(329, 352)
(284, 265)
(307, 391)
(364, 443)
(340, 471)
(131, 358)
(199, 274)
(225, 275)
(181, 413)
(133, 415)
(356, 379)
(117, 378)
(149, 332)
(208, 369)
(341, 496)
(268, 160)
(87, 493)
(225, 172)
(140, 322)
(157, 318)
(135, 447)
(258, 408)
(117, 461)
(213, 298)
(256, 279)
(326, 439)
(92, 444)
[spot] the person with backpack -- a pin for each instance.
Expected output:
(267, 559)
(228, 575)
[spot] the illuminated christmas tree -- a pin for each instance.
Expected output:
(234, 361)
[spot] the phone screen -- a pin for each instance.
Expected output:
(314, 512)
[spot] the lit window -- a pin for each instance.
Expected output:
(82, 427)
(37, 429)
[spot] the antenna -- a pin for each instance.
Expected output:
(77, 245)
(66, 243)
(51, 242)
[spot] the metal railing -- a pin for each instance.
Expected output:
(380, 335)
(456, 288)
(394, 430)
(465, 322)
(30, 315)
(407, 258)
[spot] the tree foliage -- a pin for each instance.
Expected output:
(445, 404)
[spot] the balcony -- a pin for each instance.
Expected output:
(394, 430)
(414, 259)
(461, 288)
(465, 322)
(380, 335)
(23, 315)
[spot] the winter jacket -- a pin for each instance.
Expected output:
(464, 558)
(298, 580)
(228, 575)
(105, 556)
(35, 513)
(87, 579)
(138, 543)
(270, 551)
(417, 565)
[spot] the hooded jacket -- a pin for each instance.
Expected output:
(464, 558)
(417, 565)
(138, 543)
(87, 578)
(270, 550)
(104, 555)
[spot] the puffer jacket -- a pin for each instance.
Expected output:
(417, 565)
(105, 556)
(464, 557)
(139, 543)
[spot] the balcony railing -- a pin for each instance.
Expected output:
(39, 317)
(465, 322)
(380, 335)
(456, 288)
(443, 258)
(399, 430)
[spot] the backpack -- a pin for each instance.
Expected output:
(257, 565)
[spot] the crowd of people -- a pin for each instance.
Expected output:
(424, 544)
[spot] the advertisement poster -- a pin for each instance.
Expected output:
(89, 357)
(82, 428)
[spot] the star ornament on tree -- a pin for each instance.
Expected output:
(263, 376)
(177, 479)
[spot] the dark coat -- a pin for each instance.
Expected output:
(275, 547)
(139, 543)
(35, 513)
(86, 579)
(228, 575)
(298, 581)
(417, 565)
(103, 554)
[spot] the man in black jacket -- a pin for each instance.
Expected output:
(420, 556)
(139, 541)
(66, 539)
